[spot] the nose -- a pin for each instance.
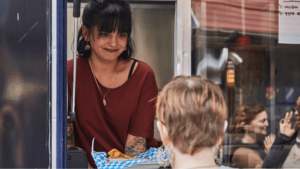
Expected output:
(267, 123)
(113, 40)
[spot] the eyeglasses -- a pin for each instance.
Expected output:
(296, 109)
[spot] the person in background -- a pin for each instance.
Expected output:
(249, 124)
(191, 115)
(285, 152)
(113, 91)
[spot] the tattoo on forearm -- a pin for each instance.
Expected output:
(138, 147)
(70, 135)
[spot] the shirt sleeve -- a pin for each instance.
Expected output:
(142, 124)
(278, 152)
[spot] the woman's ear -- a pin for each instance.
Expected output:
(85, 33)
(163, 133)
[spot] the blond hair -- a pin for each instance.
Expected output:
(193, 111)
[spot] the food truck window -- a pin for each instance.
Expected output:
(153, 36)
(251, 49)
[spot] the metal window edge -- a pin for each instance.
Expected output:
(53, 83)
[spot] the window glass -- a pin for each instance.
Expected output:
(235, 43)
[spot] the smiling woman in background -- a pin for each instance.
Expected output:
(249, 123)
(113, 91)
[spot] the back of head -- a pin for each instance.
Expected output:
(193, 111)
(106, 16)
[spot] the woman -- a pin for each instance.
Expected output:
(191, 116)
(249, 125)
(113, 91)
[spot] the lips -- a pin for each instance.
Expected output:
(111, 50)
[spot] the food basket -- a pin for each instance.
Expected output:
(137, 162)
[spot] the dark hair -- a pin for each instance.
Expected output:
(246, 113)
(107, 16)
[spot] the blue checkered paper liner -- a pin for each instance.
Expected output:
(102, 164)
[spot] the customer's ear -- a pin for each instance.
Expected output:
(220, 139)
(163, 132)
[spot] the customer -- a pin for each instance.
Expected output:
(191, 116)
(285, 152)
(249, 124)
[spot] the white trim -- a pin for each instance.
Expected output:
(53, 83)
(179, 36)
(175, 41)
(187, 38)
(82, 5)
(195, 20)
(183, 38)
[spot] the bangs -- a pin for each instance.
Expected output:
(114, 18)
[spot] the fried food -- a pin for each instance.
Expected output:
(107, 159)
(114, 153)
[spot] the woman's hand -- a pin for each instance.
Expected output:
(285, 125)
(268, 142)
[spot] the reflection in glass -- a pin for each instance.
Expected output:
(265, 71)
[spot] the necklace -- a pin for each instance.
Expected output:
(208, 166)
(104, 101)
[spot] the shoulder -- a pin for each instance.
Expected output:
(243, 154)
(244, 150)
(144, 67)
(70, 64)
(144, 75)
(246, 154)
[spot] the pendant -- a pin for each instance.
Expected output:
(104, 102)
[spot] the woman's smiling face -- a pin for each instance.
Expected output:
(259, 124)
(107, 45)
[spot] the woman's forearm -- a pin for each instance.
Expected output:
(135, 145)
